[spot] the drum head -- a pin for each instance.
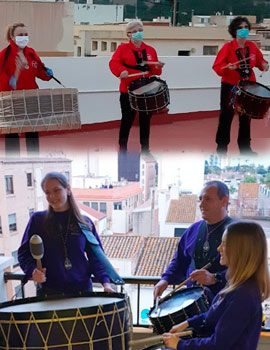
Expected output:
(254, 88)
(180, 300)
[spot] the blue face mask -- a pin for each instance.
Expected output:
(138, 36)
(242, 33)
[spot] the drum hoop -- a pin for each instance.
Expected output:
(240, 87)
(145, 96)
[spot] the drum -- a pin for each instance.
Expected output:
(90, 321)
(39, 110)
(148, 94)
(252, 99)
(183, 304)
(159, 346)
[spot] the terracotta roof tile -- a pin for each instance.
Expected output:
(122, 246)
(248, 190)
(156, 256)
(183, 209)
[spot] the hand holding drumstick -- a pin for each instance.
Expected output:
(233, 66)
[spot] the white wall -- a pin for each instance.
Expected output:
(98, 14)
(192, 84)
(119, 221)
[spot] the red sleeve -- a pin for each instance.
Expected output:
(153, 69)
(116, 62)
(4, 73)
(221, 60)
(259, 58)
(41, 72)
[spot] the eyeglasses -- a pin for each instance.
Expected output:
(135, 31)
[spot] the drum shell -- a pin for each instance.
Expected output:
(149, 102)
(165, 323)
(39, 110)
(255, 107)
(157, 347)
(82, 327)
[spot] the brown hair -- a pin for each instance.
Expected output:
(11, 30)
(73, 207)
(246, 251)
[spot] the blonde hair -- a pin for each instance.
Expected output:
(11, 30)
(246, 251)
(134, 23)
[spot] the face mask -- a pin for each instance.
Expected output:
(242, 33)
(138, 36)
(22, 41)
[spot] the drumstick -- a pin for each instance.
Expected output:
(137, 74)
(243, 60)
(183, 283)
(156, 338)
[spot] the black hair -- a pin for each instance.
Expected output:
(235, 23)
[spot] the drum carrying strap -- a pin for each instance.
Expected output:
(98, 252)
(143, 67)
(200, 258)
(244, 67)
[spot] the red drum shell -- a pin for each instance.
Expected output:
(252, 99)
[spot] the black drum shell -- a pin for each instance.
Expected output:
(149, 102)
(165, 323)
(14, 326)
(254, 105)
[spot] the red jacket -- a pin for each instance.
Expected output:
(27, 77)
(227, 55)
(124, 55)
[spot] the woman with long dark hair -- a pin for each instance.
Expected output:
(234, 319)
(65, 265)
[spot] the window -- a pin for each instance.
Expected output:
(9, 184)
(210, 50)
(183, 53)
(94, 205)
(87, 204)
(103, 207)
(117, 206)
(29, 180)
(103, 45)
(31, 211)
(1, 226)
(113, 46)
(94, 45)
(79, 51)
(12, 223)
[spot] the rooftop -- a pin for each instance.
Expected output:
(183, 209)
(122, 246)
(248, 190)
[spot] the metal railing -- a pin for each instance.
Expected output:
(134, 280)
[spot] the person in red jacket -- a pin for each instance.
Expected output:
(126, 60)
(239, 49)
(20, 64)
(19, 68)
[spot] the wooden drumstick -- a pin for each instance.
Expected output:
(156, 338)
(243, 60)
(183, 283)
(137, 74)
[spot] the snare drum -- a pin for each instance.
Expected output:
(252, 99)
(90, 321)
(183, 304)
(148, 94)
(39, 110)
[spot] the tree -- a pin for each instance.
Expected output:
(250, 179)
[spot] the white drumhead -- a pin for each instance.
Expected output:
(154, 85)
(60, 304)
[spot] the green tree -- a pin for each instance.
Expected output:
(250, 179)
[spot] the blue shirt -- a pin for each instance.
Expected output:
(233, 322)
(57, 277)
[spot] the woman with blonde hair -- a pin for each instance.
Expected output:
(234, 319)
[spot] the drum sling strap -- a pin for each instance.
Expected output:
(143, 67)
(244, 67)
(98, 252)
(200, 258)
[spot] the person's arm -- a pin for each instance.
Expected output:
(8, 80)
(43, 72)
(222, 60)
(261, 63)
(155, 69)
(116, 62)
(26, 261)
(233, 320)
(96, 267)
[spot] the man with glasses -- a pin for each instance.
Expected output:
(129, 59)
(247, 55)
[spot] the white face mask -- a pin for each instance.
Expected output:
(22, 41)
